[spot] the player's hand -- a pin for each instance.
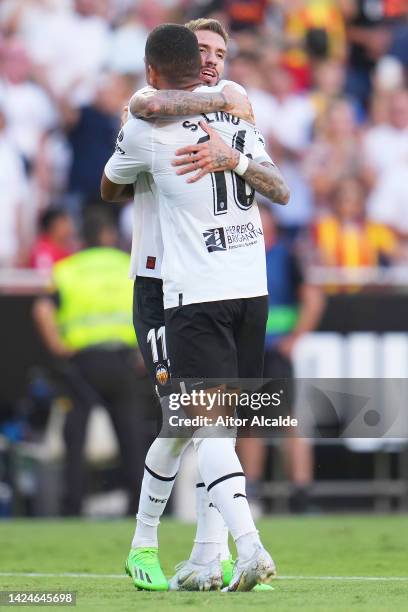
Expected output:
(238, 104)
(214, 155)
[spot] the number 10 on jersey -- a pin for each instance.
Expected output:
(242, 198)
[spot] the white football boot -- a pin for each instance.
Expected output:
(258, 569)
(191, 576)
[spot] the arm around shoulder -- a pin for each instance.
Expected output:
(113, 192)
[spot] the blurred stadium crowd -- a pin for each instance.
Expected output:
(327, 80)
(328, 84)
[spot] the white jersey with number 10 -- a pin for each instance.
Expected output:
(211, 230)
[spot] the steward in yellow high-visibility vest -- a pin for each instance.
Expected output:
(95, 298)
(87, 327)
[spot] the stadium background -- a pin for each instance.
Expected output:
(328, 83)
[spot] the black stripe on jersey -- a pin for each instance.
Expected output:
(238, 142)
(243, 200)
(220, 195)
(226, 477)
(200, 484)
(164, 478)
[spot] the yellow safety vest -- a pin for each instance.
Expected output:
(95, 298)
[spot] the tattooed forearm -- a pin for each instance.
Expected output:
(266, 179)
(224, 159)
(176, 103)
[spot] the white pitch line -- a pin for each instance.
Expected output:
(363, 578)
(59, 575)
(122, 576)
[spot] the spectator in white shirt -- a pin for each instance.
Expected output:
(281, 115)
(71, 47)
(291, 115)
(335, 152)
(128, 45)
(30, 112)
(13, 191)
(285, 119)
(386, 145)
(388, 203)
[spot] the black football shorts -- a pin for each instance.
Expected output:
(217, 341)
(148, 321)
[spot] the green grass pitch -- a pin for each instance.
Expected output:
(311, 553)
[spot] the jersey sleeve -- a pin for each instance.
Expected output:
(219, 87)
(224, 82)
(259, 153)
(145, 91)
(132, 155)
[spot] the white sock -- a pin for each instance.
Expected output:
(222, 473)
(162, 464)
(211, 539)
(225, 553)
(246, 545)
(204, 552)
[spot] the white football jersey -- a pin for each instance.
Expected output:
(147, 244)
(211, 230)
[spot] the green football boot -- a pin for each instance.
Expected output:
(262, 587)
(227, 567)
(143, 566)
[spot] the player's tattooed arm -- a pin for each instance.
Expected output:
(215, 155)
(175, 103)
(266, 179)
